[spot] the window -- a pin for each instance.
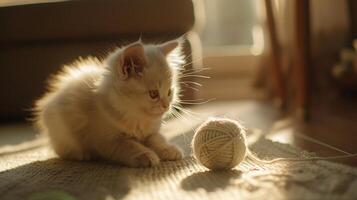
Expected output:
(232, 24)
(232, 41)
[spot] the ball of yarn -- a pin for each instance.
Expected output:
(219, 143)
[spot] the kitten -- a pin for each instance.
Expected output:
(113, 109)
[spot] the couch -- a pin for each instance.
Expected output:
(36, 39)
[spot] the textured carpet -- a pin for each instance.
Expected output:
(31, 171)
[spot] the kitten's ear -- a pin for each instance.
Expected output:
(132, 60)
(167, 47)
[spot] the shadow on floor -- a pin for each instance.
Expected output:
(16, 133)
(210, 180)
(58, 179)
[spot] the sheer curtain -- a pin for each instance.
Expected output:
(229, 22)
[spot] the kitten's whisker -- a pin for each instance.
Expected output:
(179, 115)
(188, 103)
(187, 112)
(175, 113)
(191, 82)
(193, 61)
(193, 75)
(196, 103)
(193, 100)
(187, 57)
(164, 123)
(194, 70)
(191, 87)
(172, 112)
(182, 117)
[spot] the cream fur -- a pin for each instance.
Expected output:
(96, 109)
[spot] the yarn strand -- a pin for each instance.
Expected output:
(251, 155)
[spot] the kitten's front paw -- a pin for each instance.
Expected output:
(170, 153)
(146, 159)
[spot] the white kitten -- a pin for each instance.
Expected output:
(113, 109)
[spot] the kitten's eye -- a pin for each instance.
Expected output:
(169, 92)
(154, 94)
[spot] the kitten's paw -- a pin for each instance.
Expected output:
(147, 159)
(170, 153)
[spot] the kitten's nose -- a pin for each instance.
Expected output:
(164, 104)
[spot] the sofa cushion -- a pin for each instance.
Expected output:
(94, 18)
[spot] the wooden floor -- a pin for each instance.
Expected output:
(333, 120)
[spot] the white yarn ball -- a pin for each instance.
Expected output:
(219, 143)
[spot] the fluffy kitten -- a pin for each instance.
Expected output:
(113, 109)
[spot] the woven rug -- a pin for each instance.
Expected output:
(31, 171)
